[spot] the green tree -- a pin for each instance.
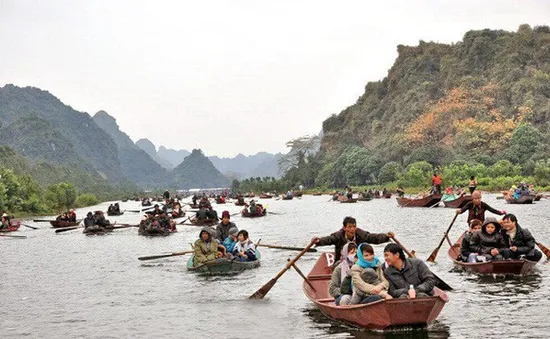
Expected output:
(419, 174)
(390, 172)
(60, 196)
(542, 172)
(504, 168)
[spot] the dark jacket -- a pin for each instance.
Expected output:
(524, 241)
(338, 239)
(478, 211)
(465, 247)
(222, 231)
(414, 272)
(482, 242)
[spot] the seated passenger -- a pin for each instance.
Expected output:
(253, 209)
(231, 240)
(488, 241)
(244, 249)
(340, 280)
(369, 284)
(403, 273)
(518, 240)
(467, 253)
(89, 220)
(205, 248)
(201, 214)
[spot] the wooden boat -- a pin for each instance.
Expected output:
(379, 315)
(224, 266)
(265, 196)
(348, 201)
(364, 199)
(458, 202)
(427, 201)
(115, 213)
(288, 197)
(316, 194)
(220, 202)
(246, 214)
(524, 199)
(97, 230)
(502, 267)
(155, 232)
(58, 224)
(537, 197)
(15, 224)
(146, 203)
(298, 194)
(387, 195)
(240, 203)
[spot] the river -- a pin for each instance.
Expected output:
(70, 285)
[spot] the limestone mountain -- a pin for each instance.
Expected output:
(39, 126)
(485, 98)
(135, 164)
(258, 165)
(149, 148)
(174, 157)
(196, 171)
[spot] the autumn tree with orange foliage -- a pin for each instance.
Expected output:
(466, 119)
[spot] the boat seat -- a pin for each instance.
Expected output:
(325, 300)
(319, 277)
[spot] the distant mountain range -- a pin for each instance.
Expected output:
(58, 143)
(259, 165)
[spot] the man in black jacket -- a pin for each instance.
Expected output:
(519, 240)
(350, 233)
(403, 273)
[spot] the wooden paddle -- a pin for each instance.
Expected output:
(59, 230)
(260, 294)
(544, 250)
(432, 256)
(173, 254)
(288, 248)
(439, 282)
(42, 220)
(12, 235)
(29, 226)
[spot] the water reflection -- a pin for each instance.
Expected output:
(334, 328)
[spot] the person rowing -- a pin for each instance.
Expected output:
(350, 233)
(476, 208)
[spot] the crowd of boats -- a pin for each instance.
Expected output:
(350, 284)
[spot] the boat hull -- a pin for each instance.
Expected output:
(427, 201)
(380, 315)
(526, 199)
(15, 224)
(224, 266)
(60, 224)
(458, 202)
(501, 267)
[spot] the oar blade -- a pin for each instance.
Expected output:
(260, 294)
(544, 250)
(432, 256)
(66, 229)
(29, 226)
(151, 257)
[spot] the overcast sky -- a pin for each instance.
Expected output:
(226, 76)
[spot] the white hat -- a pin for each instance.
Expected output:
(4, 215)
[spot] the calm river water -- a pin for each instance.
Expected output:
(69, 285)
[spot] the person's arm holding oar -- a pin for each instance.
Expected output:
(260, 294)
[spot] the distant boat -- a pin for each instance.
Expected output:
(427, 201)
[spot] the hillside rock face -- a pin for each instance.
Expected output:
(136, 164)
(473, 100)
(149, 148)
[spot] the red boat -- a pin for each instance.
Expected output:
(378, 315)
(265, 196)
(349, 201)
(458, 202)
(503, 267)
(15, 224)
(427, 201)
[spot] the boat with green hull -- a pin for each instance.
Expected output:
(224, 266)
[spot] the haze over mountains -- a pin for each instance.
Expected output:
(94, 152)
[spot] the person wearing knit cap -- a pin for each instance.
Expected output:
(231, 240)
(222, 230)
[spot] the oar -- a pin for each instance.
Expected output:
(42, 220)
(67, 229)
(29, 226)
(439, 282)
(288, 248)
(173, 254)
(432, 256)
(12, 235)
(302, 275)
(260, 294)
(183, 222)
(544, 250)
(134, 211)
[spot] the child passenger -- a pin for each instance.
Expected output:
(467, 252)
(244, 249)
(369, 283)
(489, 241)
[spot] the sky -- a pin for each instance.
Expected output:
(228, 77)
